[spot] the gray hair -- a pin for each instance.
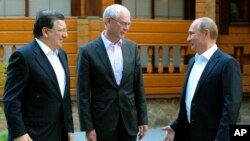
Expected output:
(114, 11)
(207, 23)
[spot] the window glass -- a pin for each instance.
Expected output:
(163, 9)
(36, 5)
(12, 8)
(17, 7)
(140, 9)
(239, 10)
(62, 6)
(169, 9)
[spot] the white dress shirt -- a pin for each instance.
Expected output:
(56, 64)
(194, 76)
(114, 51)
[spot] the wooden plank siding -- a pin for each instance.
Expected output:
(160, 81)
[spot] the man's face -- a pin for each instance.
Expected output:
(118, 27)
(196, 38)
(57, 34)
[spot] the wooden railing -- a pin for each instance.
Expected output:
(162, 45)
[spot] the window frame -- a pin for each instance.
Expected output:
(225, 20)
(240, 21)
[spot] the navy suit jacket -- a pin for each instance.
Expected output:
(100, 100)
(32, 99)
(216, 102)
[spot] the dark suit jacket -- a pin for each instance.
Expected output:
(100, 99)
(32, 99)
(216, 102)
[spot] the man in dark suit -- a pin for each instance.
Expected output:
(110, 89)
(37, 101)
(212, 93)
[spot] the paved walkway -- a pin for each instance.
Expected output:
(154, 134)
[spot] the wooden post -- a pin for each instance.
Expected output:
(183, 50)
(171, 60)
(150, 55)
(160, 63)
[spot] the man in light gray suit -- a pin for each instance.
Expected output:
(110, 89)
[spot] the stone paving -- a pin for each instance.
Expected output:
(154, 134)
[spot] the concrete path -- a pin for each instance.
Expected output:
(154, 134)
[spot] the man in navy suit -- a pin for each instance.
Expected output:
(212, 93)
(110, 89)
(37, 101)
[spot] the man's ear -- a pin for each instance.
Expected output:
(45, 32)
(207, 33)
(108, 20)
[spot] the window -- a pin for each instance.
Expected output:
(232, 12)
(30, 7)
(62, 6)
(12, 8)
(169, 9)
(155, 9)
(239, 11)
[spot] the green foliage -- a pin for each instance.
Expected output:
(3, 70)
(3, 135)
(2, 117)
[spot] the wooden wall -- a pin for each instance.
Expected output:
(154, 34)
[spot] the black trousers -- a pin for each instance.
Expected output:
(64, 135)
(120, 134)
(183, 133)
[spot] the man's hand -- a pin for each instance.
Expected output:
(91, 135)
(143, 131)
(169, 133)
(24, 137)
(70, 136)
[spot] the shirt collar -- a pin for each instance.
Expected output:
(207, 54)
(107, 43)
(45, 48)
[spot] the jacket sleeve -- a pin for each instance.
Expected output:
(83, 91)
(17, 76)
(140, 98)
(232, 96)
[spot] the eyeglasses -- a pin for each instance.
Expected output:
(64, 30)
(125, 24)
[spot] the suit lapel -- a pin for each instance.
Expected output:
(42, 60)
(126, 56)
(210, 65)
(103, 55)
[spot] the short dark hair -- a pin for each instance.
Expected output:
(45, 18)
